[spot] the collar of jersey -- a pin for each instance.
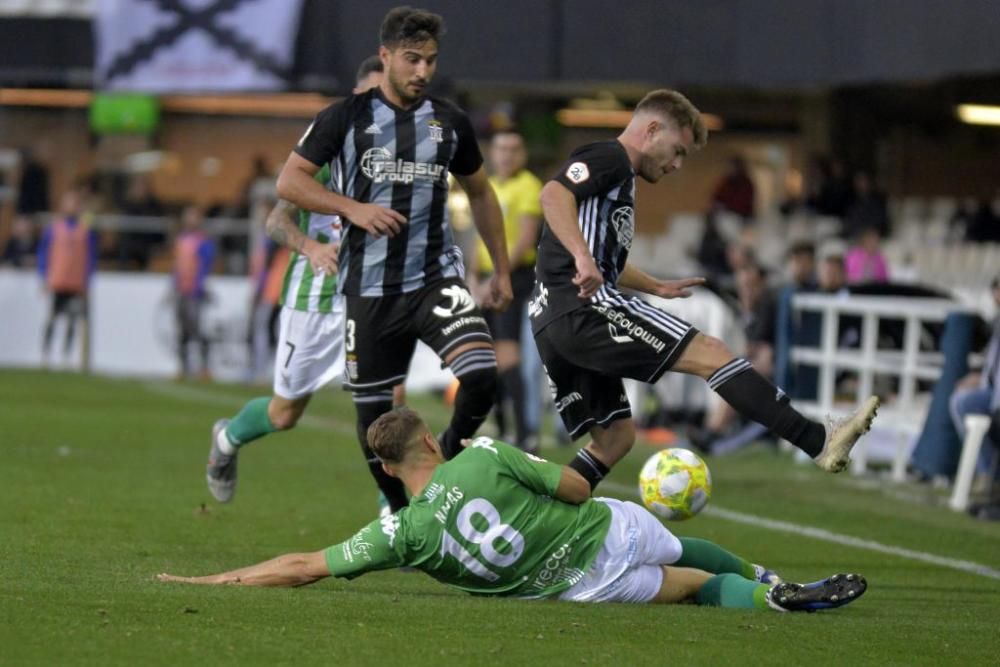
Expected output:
(378, 93)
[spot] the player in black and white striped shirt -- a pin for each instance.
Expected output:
(590, 334)
(390, 151)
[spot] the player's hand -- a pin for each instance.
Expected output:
(588, 277)
(677, 289)
(322, 256)
(377, 220)
(500, 293)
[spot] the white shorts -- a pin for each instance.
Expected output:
(629, 567)
(310, 352)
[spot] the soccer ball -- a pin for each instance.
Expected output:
(675, 484)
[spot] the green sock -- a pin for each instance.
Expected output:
(708, 556)
(732, 590)
(250, 423)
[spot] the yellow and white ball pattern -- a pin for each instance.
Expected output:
(675, 484)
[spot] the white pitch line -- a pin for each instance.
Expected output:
(829, 536)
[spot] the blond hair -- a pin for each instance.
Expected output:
(393, 434)
(673, 105)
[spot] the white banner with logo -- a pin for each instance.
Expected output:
(133, 329)
(161, 46)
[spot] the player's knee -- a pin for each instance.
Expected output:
(285, 419)
(706, 355)
(476, 370)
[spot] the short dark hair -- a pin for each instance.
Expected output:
(802, 248)
(406, 25)
(674, 105)
(367, 66)
(390, 435)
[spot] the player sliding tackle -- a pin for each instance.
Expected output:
(497, 521)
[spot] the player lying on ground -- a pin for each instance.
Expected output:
(497, 521)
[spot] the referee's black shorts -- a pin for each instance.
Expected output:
(588, 351)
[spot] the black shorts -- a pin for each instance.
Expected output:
(69, 303)
(381, 332)
(507, 325)
(588, 351)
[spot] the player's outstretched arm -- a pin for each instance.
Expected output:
(559, 205)
(284, 571)
(281, 228)
(488, 218)
(639, 280)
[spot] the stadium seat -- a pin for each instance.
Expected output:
(975, 428)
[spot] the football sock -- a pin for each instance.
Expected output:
(590, 467)
(370, 406)
(249, 424)
(513, 386)
(732, 590)
(750, 394)
(704, 555)
(476, 371)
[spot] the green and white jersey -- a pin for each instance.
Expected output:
(303, 289)
(486, 523)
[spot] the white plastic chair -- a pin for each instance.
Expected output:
(975, 428)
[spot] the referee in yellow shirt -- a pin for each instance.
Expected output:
(518, 191)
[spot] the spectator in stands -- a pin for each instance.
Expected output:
(136, 246)
(67, 259)
(979, 394)
(865, 262)
(735, 192)
(20, 248)
(830, 189)
(194, 254)
(757, 314)
(712, 250)
(801, 266)
(33, 191)
(832, 275)
(868, 209)
(984, 226)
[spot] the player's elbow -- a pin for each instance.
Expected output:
(553, 195)
(285, 186)
(573, 487)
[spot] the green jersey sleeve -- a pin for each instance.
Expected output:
(536, 473)
(372, 548)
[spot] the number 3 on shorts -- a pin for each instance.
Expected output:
(349, 335)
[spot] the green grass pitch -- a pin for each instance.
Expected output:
(102, 486)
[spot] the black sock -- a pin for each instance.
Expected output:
(513, 386)
(370, 407)
(587, 465)
(476, 371)
(756, 398)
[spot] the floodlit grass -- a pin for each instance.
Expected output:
(102, 486)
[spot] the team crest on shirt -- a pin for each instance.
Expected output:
(623, 219)
(577, 172)
(436, 130)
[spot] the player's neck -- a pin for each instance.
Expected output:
(416, 477)
(389, 95)
(631, 148)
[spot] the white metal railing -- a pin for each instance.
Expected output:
(905, 414)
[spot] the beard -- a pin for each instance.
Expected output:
(649, 169)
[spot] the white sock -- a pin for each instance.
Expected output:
(222, 441)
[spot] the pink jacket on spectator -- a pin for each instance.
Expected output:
(862, 267)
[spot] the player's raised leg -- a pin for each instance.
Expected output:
(757, 398)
